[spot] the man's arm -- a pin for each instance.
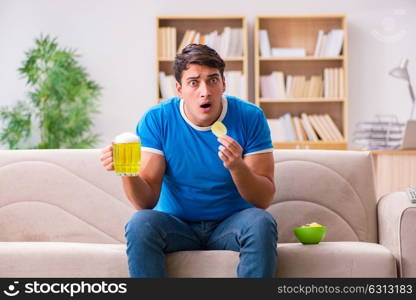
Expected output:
(253, 175)
(143, 190)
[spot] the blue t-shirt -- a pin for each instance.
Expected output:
(196, 185)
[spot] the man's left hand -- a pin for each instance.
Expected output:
(230, 152)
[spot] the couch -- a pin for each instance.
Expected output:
(63, 215)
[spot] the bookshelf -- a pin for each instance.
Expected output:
(326, 96)
(212, 30)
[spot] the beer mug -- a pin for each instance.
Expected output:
(126, 154)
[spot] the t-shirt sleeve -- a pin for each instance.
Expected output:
(258, 134)
(149, 130)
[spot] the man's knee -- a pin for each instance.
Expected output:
(262, 221)
(141, 222)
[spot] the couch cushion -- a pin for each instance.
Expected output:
(333, 188)
(327, 259)
(336, 259)
(60, 259)
(60, 195)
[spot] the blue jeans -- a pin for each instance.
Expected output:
(252, 232)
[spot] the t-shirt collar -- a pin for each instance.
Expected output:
(221, 117)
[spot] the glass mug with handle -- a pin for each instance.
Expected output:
(126, 154)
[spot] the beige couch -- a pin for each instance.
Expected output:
(63, 215)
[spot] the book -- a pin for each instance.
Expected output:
(334, 43)
(341, 83)
(236, 47)
(298, 129)
(326, 83)
(276, 130)
(327, 127)
(305, 136)
(323, 45)
(310, 132)
(225, 42)
(289, 79)
(288, 127)
(265, 50)
(265, 87)
(234, 83)
(317, 127)
(318, 43)
(288, 52)
(184, 40)
(278, 85)
(335, 129)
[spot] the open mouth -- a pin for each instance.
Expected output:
(206, 105)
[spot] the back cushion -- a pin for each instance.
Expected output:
(60, 195)
(333, 188)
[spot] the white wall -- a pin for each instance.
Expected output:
(116, 40)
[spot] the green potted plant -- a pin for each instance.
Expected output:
(61, 101)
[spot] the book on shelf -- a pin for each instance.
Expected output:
(306, 127)
(318, 128)
(229, 43)
(273, 85)
(167, 85)
(288, 52)
(318, 43)
(167, 42)
(333, 127)
(329, 44)
(265, 49)
(298, 129)
(235, 84)
(296, 86)
(310, 132)
(333, 82)
(288, 127)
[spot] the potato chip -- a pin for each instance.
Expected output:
(219, 129)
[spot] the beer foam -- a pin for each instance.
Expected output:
(126, 137)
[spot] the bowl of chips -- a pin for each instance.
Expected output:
(311, 233)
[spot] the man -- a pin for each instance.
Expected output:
(196, 191)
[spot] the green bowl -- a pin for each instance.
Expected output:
(310, 235)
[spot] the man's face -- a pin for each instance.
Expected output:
(201, 89)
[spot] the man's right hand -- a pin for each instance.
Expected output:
(107, 158)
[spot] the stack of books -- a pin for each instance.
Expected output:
(235, 84)
(327, 45)
(305, 127)
(167, 85)
(229, 43)
(167, 42)
(386, 133)
(299, 86)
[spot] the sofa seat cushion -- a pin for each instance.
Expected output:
(61, 259)
(326, 259)
(336, 259)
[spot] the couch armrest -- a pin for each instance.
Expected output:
(396, 229)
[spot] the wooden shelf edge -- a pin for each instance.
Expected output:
(301, 16)
(305, 58)
(239, 58)
(323, 145)
(199, 17)
(296, 100)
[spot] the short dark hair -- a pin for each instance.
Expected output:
(197, 54)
